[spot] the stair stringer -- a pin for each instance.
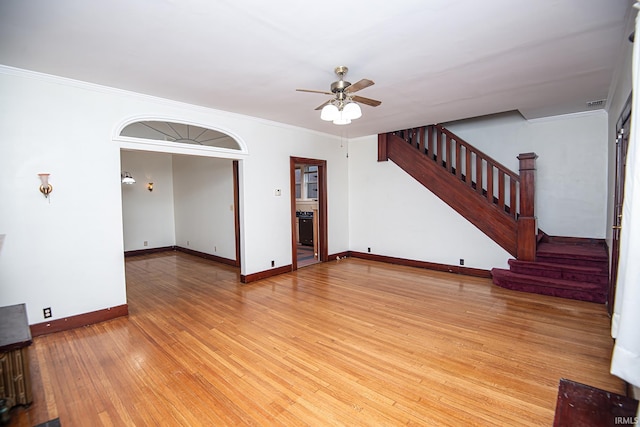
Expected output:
(485, 216)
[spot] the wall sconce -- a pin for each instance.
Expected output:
(126, 178)
(45, 187)
(150, 186)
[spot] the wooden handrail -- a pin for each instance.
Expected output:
(484, 155)
(490, 178)
(511, 193)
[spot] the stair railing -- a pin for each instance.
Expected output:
(511, 193)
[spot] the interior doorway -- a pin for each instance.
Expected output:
(622, 144)
(187, 203)
(308, 180)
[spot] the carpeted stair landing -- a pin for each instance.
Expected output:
(563, 268)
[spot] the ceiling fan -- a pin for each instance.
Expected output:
(344, 106)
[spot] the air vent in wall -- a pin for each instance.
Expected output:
(598, 103)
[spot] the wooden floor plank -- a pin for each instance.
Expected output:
(349, 342)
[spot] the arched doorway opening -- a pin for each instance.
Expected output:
(186, 188)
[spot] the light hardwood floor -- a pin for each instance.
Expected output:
(349, 342)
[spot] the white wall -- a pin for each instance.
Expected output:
(571, 175)
(394, 215)
(203, 194)
(268, 217)
(67, 252)
(147, 216)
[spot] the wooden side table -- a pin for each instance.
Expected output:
(583, 405)
(15, 339)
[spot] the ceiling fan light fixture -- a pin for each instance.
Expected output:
(342, 109)
(329, 112)
(341, 119)
(352, 110)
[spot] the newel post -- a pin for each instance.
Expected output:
(527, 226)
(382, 147)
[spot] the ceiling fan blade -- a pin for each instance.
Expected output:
(320, 107)
(367, 101)
(359, 85)
(314, 91)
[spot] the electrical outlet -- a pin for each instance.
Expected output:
(368, 249)
(273, 263)
(146, 243)
(215, 249)
(187, 243)
(461, 261)
(46, 312)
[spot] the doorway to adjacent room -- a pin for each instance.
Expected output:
(308, 211)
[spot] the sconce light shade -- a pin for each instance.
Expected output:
(45, 187)
(127, 178)
(150, 186)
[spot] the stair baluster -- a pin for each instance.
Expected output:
(500, 187)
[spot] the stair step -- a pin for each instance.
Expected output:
(586, 255)
(560, 271)
(578, 290)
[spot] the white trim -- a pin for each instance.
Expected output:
(176, 148)
(143, 144)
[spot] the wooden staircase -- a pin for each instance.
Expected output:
(564, 267)
(500, 203)
(495, 199)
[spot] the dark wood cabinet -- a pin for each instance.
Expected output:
(306, 231)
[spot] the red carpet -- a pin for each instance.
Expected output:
(568, 270)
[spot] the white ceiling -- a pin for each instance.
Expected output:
(433, 61)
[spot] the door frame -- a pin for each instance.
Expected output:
(323, 251)
(236, 208)
(622, 144)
